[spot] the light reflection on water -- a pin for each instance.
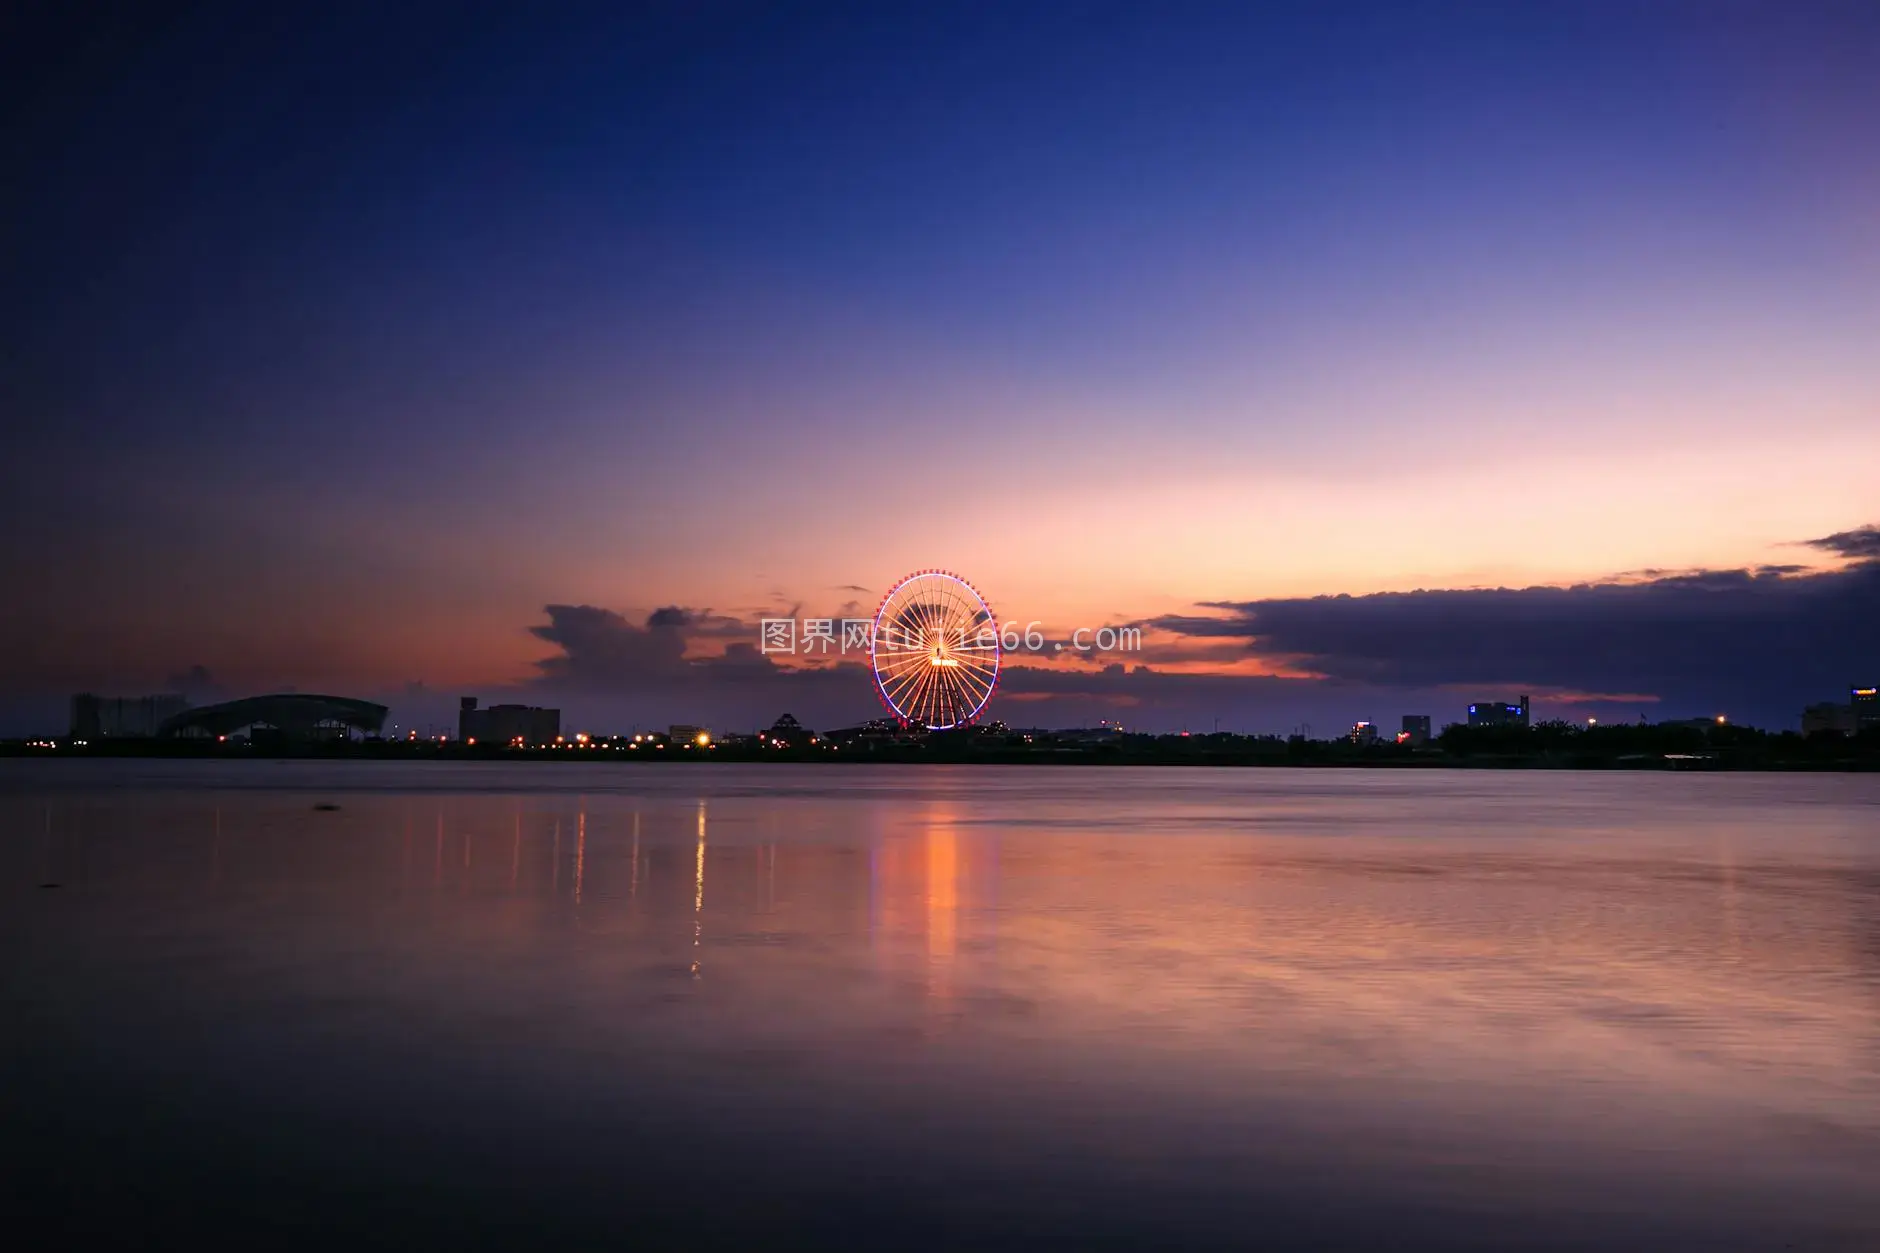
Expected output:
(1021, 1006)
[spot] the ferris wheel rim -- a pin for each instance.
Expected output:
(976, 608)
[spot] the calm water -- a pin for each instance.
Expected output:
(876, 1008)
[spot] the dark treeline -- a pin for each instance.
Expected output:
(1622, 743)
(1548, 745)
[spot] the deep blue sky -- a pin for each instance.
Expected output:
(339, 343)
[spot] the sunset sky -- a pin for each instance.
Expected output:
(402, 354)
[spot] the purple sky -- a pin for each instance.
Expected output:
(351, 352)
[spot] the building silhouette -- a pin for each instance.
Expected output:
(1828, 718)
(283, 716)
(1865, 703)
(786, 731)
(107, 717)
(1416, 729)
(522, 726)
(1496, 714)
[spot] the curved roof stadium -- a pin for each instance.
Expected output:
(293, 713)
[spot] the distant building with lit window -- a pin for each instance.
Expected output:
(1363, 733)
(1496, 714)
(504, 725)
(1416, 729)
(1865, 702)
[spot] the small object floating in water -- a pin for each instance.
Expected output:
(44, 886)
(326, 807)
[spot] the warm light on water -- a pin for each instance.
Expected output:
(953, 1007)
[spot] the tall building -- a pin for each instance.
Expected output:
(104, 717)
(1866, 704)
(1363, 733)
(503, 725)
(1496, 714)
(1828, 718)
(1416, 729)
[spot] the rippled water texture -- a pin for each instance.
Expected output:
(916, 1008)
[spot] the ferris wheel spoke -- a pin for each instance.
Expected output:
(969, 613)
(903, 677)
(908, 685)
(900, 683)
(922, 698)
(945, 681)
(975, 666)
(971, 686)
(899, 648)
(902, 660)
(958, 609)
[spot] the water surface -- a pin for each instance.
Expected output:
(930, 1007)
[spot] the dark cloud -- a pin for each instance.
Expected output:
(1122, 685)
(609, 672)
(615, 673)
(701, 622)
(1861, 543)
(1145, 698)
(1757, 644)
(600, 648)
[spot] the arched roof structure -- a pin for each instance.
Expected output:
(293, 713)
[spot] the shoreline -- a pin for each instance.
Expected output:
(1316, 755)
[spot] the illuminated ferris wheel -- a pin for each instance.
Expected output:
(935, 650)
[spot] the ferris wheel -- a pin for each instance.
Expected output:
(935, 651)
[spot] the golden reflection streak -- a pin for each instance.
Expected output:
(580, 853)
(915, 895)
(633, 875)
(698, 892)
(1726, 862)
(943, 906)
(943, 896)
